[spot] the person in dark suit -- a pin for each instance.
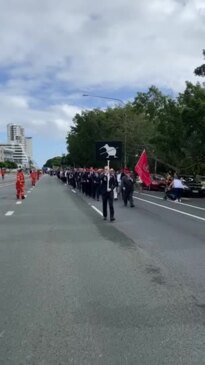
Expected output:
(107, 184)
(127, 186)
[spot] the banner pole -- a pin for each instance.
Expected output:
(108, 176)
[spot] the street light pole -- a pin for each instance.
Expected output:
(124, 120)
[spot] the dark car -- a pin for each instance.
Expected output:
(158, 183)
(194, 187)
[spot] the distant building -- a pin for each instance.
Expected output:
(18, 154)
(15, 133)
(19, 144)
(6, 154)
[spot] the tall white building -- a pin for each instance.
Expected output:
(15, 133)
(22, 150)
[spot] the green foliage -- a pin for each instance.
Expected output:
(8, 165)
(200, 71)
(55, 161)
(172, 130)
(59, 161)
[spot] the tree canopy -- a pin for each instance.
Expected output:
(171, 129)
(200, 71)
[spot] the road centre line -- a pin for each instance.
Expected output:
(172, 201)
(172, 209)
(9, 213)
(18, 203)
(97, 210)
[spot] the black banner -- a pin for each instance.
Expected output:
(108, 150)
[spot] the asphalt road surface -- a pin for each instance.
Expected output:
(77, 290)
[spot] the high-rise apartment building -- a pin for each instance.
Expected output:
(15, 133)
(21, 146)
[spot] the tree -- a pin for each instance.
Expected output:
(200, 71)
(55, 161)
(10, 165)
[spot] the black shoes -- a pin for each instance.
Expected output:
(112, 219)
(105, 218)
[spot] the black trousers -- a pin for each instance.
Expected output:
(108, 197)
(128, 196)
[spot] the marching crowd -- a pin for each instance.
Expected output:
(111, 185)
(104, 183)
(101, 182)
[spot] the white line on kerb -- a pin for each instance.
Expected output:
(18, 203)
(10, 212)
(174, 210)
(97, 210)
(73, 191)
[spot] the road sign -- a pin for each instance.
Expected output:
(108, 150)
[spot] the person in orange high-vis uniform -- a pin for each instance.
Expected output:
(20, 185)
(33, 176)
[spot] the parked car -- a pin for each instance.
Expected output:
(158, 183)
(193, 187)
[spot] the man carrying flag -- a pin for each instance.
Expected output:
(142, 169)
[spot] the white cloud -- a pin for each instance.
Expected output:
(90, 45)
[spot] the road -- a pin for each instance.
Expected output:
(77, 290)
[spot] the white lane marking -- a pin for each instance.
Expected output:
(172, 209)
(97, 210)
(172, 201)
(18, 203)
(73, 191)
(10, 212)
(29, 192)
(25, 196)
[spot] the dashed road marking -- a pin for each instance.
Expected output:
(9, 213)
(172, 209)
(73, 191)
(18, 203)
(29, 192)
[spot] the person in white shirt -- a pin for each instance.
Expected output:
(177, 187)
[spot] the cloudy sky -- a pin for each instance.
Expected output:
(54, 51)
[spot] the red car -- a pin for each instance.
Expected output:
(158, 183)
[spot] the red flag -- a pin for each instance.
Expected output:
(142, 169)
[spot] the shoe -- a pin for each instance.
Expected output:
(179, 200)
(23, 197)
(105, 218)
(112, 219)
(132, 206)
